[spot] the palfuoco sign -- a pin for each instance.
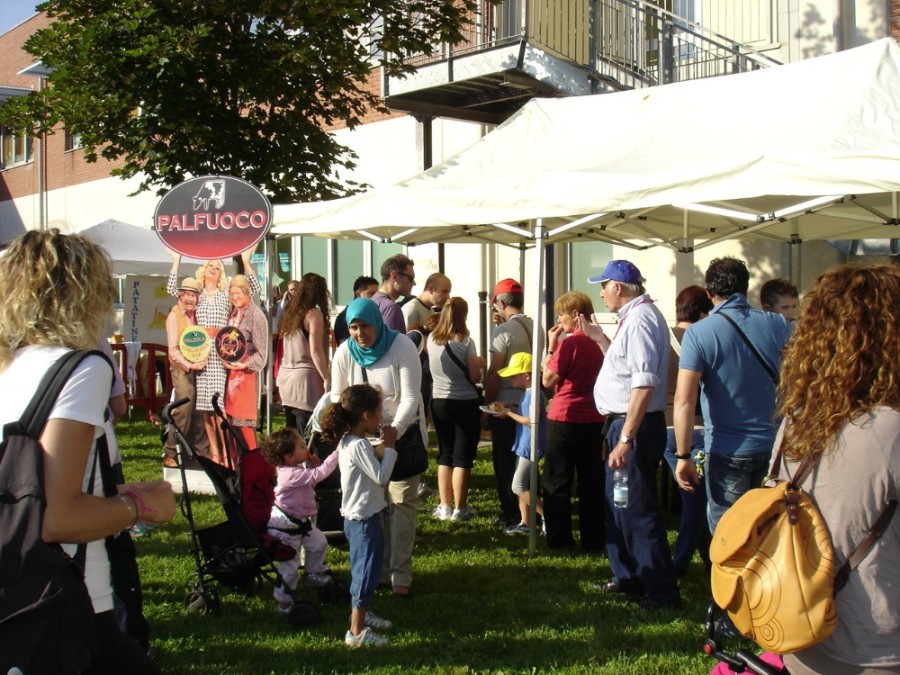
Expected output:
(212, 217)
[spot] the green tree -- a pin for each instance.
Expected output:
(241, 87)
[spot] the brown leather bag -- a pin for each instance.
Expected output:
(773, 563)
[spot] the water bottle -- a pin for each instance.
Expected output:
(620, 488)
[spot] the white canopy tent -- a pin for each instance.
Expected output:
(809, 150)
(133, 249)
(804, 151)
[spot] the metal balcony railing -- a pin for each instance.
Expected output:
(639, 44)
(627, 43)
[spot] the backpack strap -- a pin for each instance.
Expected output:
(753, 349)
(32, 421)
(843, 575)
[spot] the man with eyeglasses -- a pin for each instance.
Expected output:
(397, 280)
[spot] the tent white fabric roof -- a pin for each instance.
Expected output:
(133, 249)
(704, 160)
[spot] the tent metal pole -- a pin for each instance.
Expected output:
(270, 362)
(537, 351)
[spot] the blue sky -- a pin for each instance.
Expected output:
(14, 12)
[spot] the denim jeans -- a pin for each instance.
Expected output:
(727, 478)
(693, 530)
(366, 550)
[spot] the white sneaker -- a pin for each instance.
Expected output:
(312, 580)
(442, 512)
(376, 622)
(465, 513)
(366, 637)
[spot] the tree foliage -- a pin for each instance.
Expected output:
(239, 87)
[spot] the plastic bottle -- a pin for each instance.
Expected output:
(620, 488)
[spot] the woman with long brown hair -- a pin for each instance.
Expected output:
(305, 373)
(840, 397)
(455, 370)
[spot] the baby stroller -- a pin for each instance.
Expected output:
(741, 661)
(236, 553)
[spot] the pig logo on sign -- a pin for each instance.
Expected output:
(210, 191)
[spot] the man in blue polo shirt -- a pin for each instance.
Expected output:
(737, 382)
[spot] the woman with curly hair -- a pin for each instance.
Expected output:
(840, 396)
(305, 373)
(58, 297)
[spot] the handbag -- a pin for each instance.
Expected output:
(479, 392)
(773, 563)
(412, 455)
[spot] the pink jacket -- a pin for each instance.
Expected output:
(295, 492)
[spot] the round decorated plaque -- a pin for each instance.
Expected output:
(231, 344)
(194, 343)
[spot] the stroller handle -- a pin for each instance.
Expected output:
(167, 411)
(215, 404)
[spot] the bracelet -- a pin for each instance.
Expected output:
(686, 456)
(142, 507)
(124, 498)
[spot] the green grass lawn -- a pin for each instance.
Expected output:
(480, 604)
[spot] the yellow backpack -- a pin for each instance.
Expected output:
(773, 563)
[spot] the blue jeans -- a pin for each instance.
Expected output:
(727, 478)
(693, 530)
(366, 541)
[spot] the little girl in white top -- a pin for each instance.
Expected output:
(365, 470)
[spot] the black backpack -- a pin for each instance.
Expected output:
(46, 615)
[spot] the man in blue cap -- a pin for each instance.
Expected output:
(631, 393)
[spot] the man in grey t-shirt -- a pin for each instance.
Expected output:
(510, 337)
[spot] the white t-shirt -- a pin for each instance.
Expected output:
(83, 399)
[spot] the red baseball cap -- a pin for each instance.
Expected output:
(506, 286)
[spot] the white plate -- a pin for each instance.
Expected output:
(489, 410)
(375, 442)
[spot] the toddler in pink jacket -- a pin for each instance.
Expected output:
(294, 509)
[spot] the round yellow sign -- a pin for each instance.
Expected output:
(194, 343)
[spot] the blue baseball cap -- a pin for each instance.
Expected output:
(621, 271)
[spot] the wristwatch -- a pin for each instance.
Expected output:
(627, 440)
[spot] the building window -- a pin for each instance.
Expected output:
(16, 147)
(73, 141)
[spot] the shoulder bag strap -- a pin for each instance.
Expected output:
(753, 349)
(525, 328)
(674, 343)
(459, 363)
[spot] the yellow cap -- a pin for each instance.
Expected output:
(518, 364)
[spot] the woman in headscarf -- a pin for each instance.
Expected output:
(389, 360)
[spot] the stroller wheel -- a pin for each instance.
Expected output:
(201, 602)
(303, 615)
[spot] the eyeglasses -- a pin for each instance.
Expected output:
(411, 278)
